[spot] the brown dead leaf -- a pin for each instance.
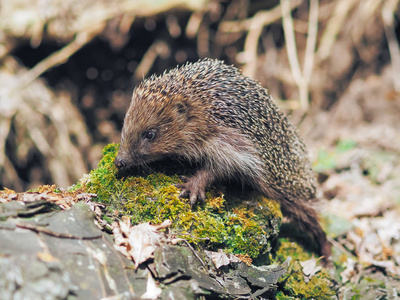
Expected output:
(138, 242)
(245, 258)
(63, 198)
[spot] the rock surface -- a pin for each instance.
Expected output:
(48, 253)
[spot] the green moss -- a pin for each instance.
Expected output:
(319, 287)
(237, 226)
(293, 284)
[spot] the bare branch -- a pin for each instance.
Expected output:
(388, 11)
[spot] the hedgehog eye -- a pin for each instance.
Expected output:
(149, 135)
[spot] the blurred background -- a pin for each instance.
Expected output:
(68, 69)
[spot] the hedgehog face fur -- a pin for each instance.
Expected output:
(162, 121)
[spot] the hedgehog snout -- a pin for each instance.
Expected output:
(120, 163)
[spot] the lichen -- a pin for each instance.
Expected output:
(222, 222)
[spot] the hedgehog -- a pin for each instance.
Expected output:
(211, 115)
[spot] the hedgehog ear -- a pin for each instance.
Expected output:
(181, 108)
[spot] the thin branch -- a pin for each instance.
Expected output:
(393, 44)
(290, 40)
(302, 79)
(156, 49)
(50, 232)
(59, 57)
(311, 40)
(193, 25)
(255, 27)
(260, 19)
(291, 49)
(333, 28)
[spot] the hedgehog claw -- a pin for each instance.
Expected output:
(191, 191)
(195, 186)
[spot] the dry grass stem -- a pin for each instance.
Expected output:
(249, 55)
(193, 25)
(291, 47)
(260, 19)
(301, 78)
(311, 40)
(255, 27)
(335, 24)
(366, 11)
(393, 44)
(156, 49)
(58, 57)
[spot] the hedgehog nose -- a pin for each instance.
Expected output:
(120, 163)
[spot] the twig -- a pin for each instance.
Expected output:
(301, 78)
(340, 247)
(255, 26)
(59, 57)
(261, 19)
(393, 44)
(332, 29)
(156, 49)
(193, 25)
(311, 40)
(249, 56)
(291, 46)
(365, 11)
(191, 249)
(203, 40)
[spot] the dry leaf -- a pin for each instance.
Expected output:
(350, 270)
(221, 259)
(137, 242)
(310, 268)
(152, 291)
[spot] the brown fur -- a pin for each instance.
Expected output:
(211, 114)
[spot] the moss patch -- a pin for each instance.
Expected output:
(239, 226)
(293, 284)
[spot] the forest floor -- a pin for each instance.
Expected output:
(358, 165)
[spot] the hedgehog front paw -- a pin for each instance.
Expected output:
(192, 190)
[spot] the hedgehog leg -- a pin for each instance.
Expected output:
(195, 186)
(306, 218)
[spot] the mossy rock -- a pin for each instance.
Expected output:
(235, 222)
(297, 285)
(245, 224)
